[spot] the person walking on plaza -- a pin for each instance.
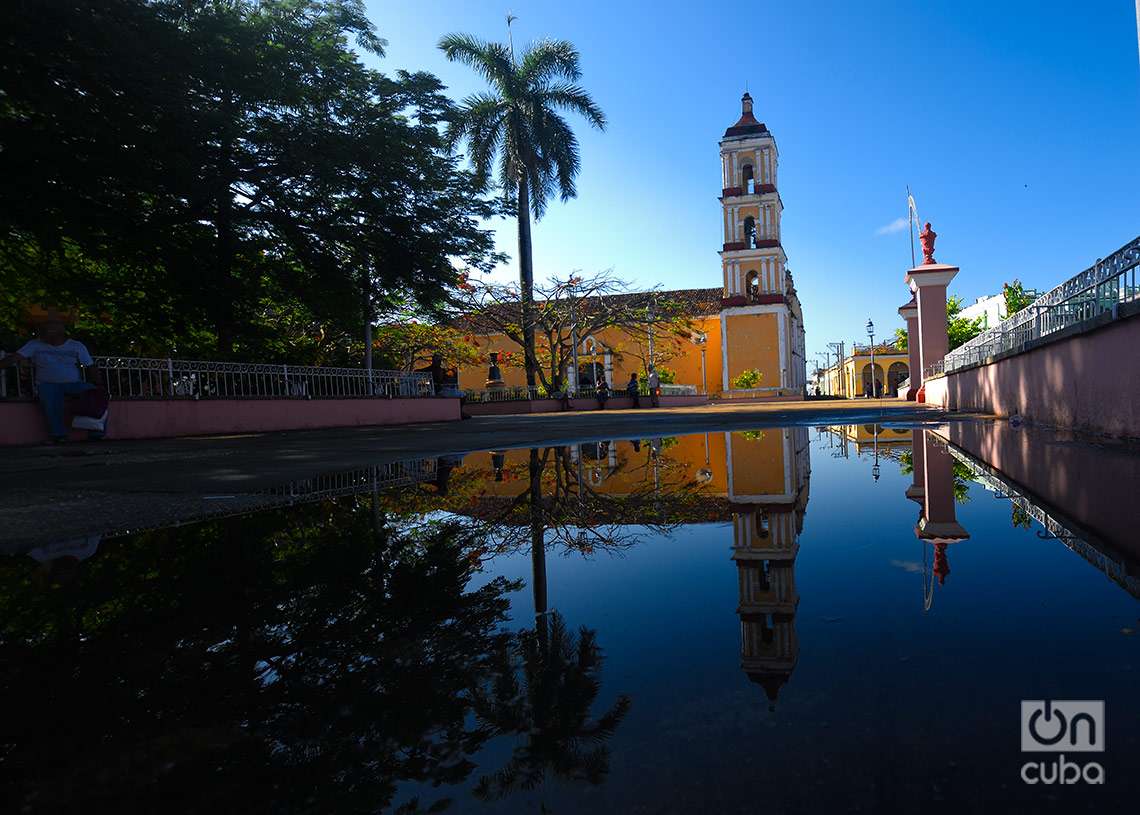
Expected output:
(58, 361)
(632, 389)
(654, 387)
(602, 392)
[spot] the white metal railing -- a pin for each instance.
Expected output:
(323, 487)
(1096, 291)
(141, 378)
(513, 394)
(14, 382)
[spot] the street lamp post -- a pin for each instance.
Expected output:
(871, 334)
(652, 326)
(874, 467)
(573, 336)
(840, 375)
(700, 340)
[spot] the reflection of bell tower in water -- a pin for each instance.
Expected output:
(768, 475)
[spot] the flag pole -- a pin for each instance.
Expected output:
(910, 213)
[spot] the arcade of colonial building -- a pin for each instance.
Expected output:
(851, 376)
(752, 322)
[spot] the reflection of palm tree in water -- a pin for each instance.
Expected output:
(545, 682)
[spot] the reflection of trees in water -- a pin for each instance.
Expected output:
(304, 661)
(286, 662)
(963, 476)
(544, 687)
(574, 513)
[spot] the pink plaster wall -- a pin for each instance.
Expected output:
(553, 405)
(1088, 382)
(21, 422)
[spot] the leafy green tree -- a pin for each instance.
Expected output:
(405, 345)
(582, 306)
(1015, 296)
(958, 329)
(515, 131)
(225, 177)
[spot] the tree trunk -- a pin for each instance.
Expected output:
(526, 283)
(367, 307)
(224, 246)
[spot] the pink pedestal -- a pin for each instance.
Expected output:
(917, 489)
(909, 312)
(929, 284)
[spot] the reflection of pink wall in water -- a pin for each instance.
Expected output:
(1089, 382)
(21, 422)
(1092, 485)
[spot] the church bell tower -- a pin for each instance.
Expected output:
(761, 320)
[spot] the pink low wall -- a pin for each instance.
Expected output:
(785, 397)
(1088, 382)
(554, 405)
(22, 423)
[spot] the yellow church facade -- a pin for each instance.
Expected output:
(751, 325)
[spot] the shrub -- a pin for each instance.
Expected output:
(667, 376)
(748, 379)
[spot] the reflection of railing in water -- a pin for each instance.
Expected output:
(352, 482)
(322, 487)
(1064, 531)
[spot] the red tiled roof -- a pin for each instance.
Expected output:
(747, 124)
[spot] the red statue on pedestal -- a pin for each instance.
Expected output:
(927, 237)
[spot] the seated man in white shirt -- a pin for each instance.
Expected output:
(58, 361)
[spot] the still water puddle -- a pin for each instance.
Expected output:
(779, 620)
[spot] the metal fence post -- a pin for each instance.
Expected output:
(170, 373)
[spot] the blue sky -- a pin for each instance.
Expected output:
(1016, 124)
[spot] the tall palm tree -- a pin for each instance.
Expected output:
(516, 127)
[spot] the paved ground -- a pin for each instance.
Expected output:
(49, 493)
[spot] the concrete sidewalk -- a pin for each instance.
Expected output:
(57, 492)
